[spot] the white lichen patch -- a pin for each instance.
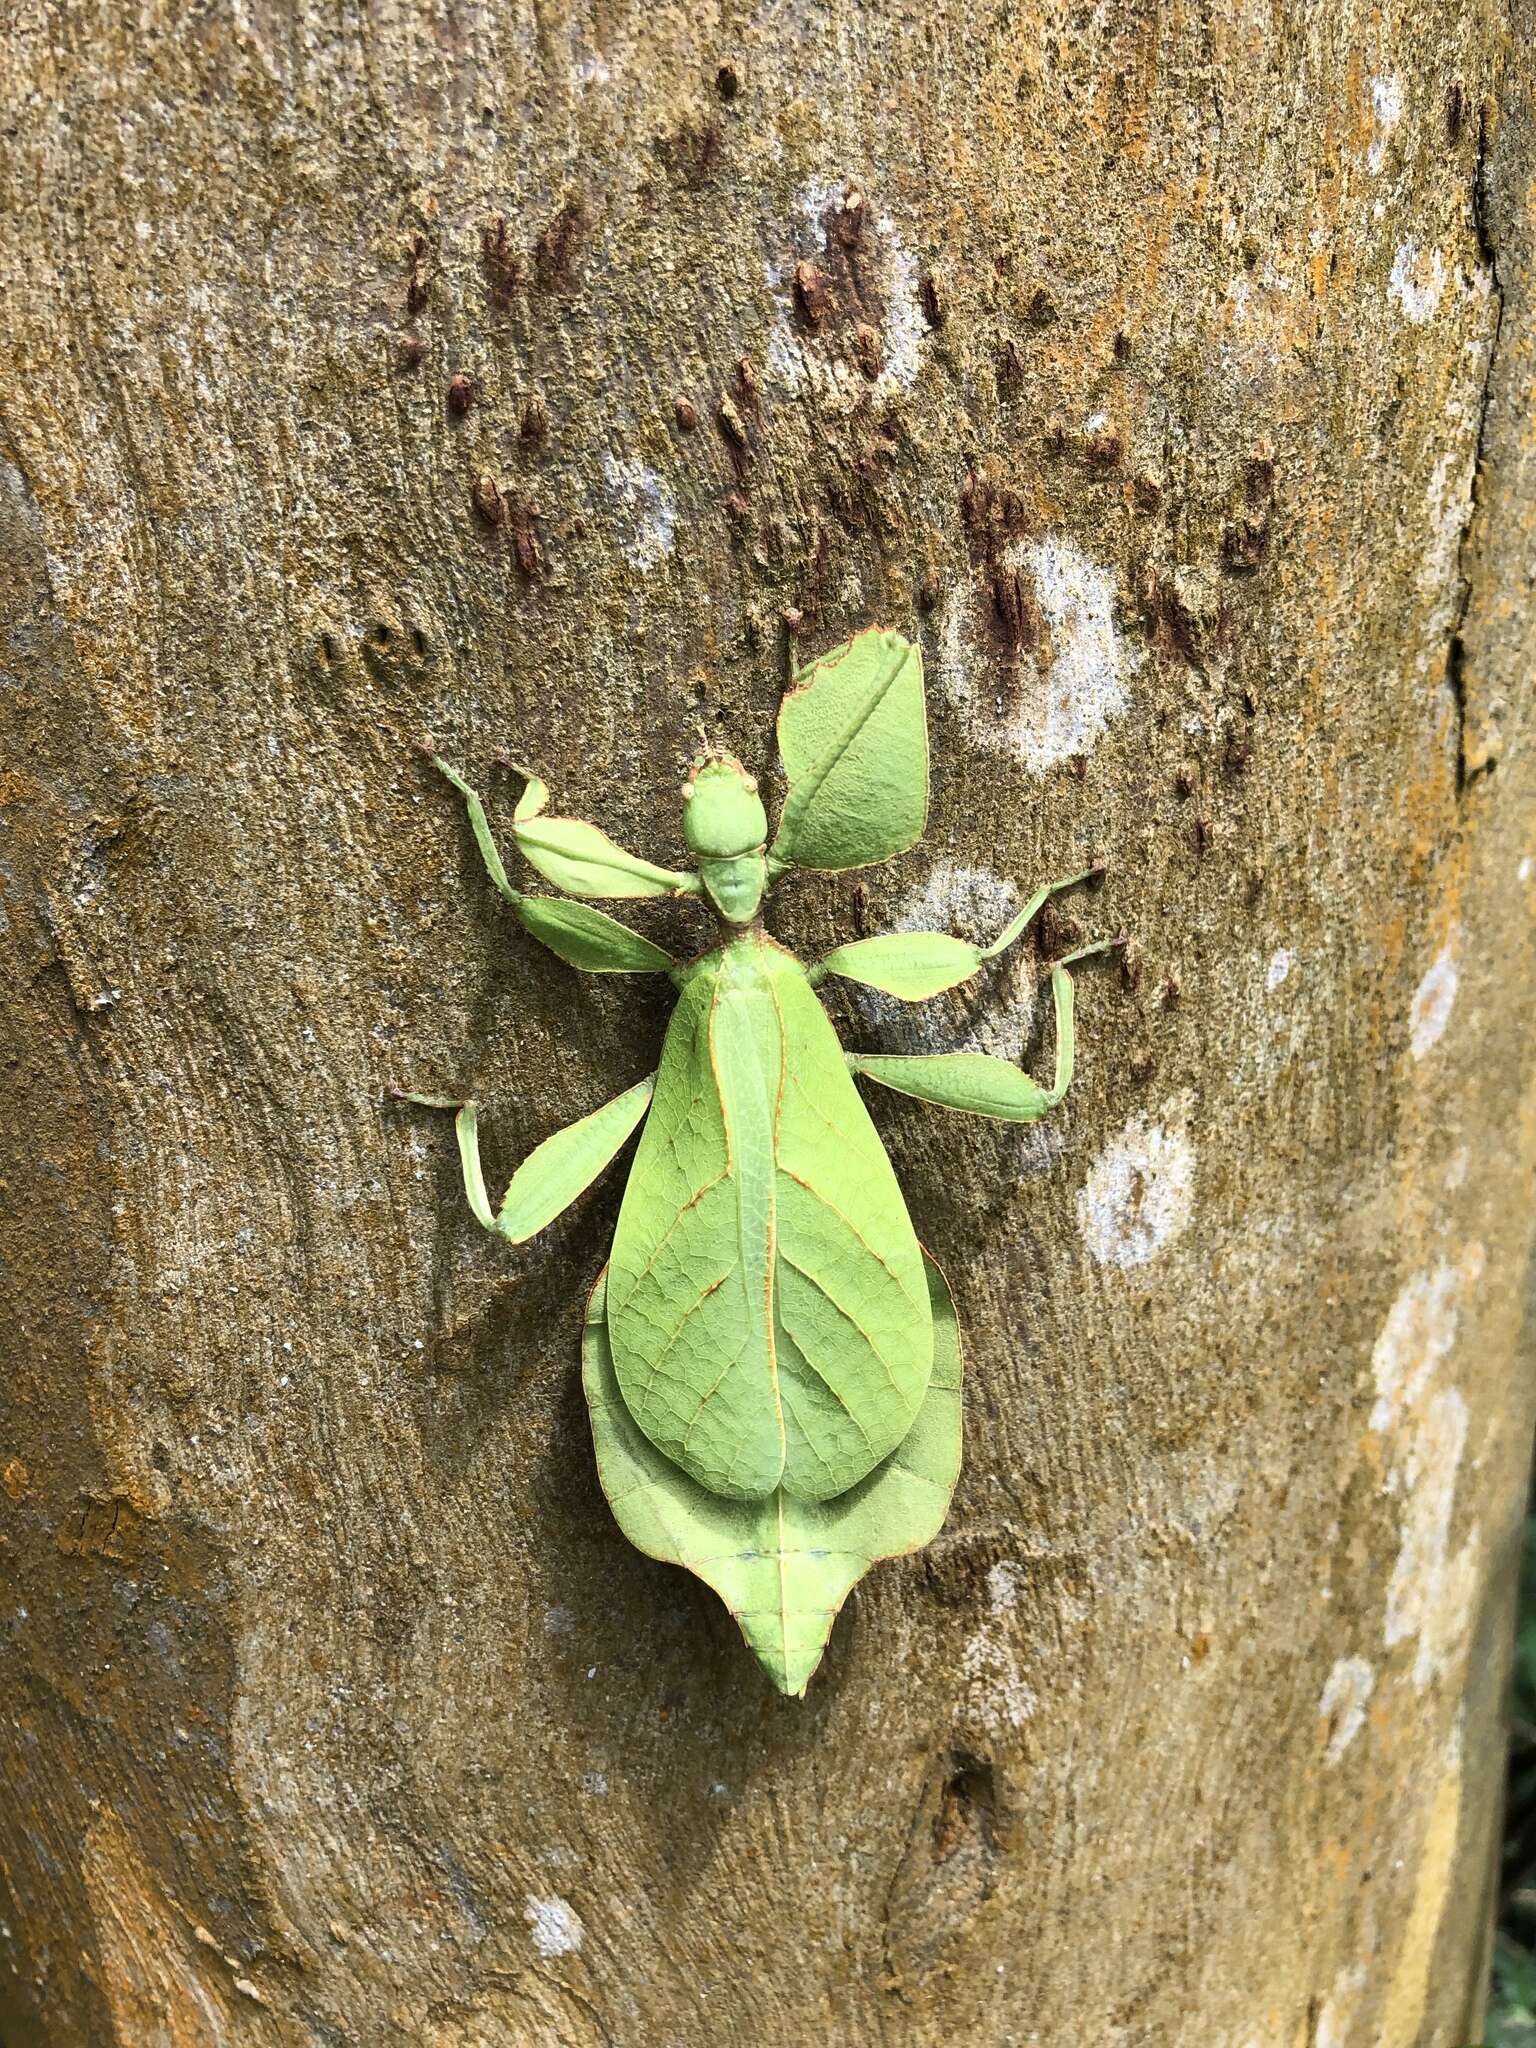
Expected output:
(1336, 2017)
(1386, 112)
(1075, 682)
(1417, 283)
(1448, 510)
(647, 511)
(1415, 1342)
(1006, 1581)
(1342, 1706)
(1278, 970)
(1431, 1592)
(1433, 1002)
(998, 1693)
(556, 1925)
(1526, 869)
(1424, 1423)
(957, 897)
(904, 329)
(1140, 1191)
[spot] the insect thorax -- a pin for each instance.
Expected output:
(726, 827)
(735, 884)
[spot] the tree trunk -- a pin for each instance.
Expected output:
(548, 377)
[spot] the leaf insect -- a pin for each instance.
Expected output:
(771, 1361)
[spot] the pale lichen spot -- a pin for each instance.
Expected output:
(1278, 970)
(1417, 282)
(1448, 506)
(1526, 869)
(1005, 1584)
(1433, 1002)
(800, 361)
(647, 511)
(1415, 1341)
(1070, 686)
(1430, 1594)
(556, 1925)
(1336, 2016)
(1140, 1191)
(1342, 1706)
(590, 67)
(1424, 1425)
(1386, 112)
(904, 329)
(998, 1693)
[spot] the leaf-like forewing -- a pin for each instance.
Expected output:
(853, 734)
(769, 1321)
(782, 1566)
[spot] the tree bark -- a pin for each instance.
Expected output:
(1169, 371)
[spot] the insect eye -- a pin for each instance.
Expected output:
(687, 791)
(751, 785)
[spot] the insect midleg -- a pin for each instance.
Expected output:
(554, 1173)
(1061, 1002)
(915, 965)
(977, 1083)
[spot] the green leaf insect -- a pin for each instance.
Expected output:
(771, 1361)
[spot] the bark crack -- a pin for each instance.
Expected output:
(1456, 650)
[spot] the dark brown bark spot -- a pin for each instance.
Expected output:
(485, 495)
(555, 251)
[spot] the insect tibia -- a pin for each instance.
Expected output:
(1115, 945)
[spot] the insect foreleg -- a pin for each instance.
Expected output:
(581, 936)
(1033, 907)
(480, 825)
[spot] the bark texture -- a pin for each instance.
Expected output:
(533, 374)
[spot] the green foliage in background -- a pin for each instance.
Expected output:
(1512, 2013)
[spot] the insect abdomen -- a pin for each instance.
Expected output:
(768, 1312)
